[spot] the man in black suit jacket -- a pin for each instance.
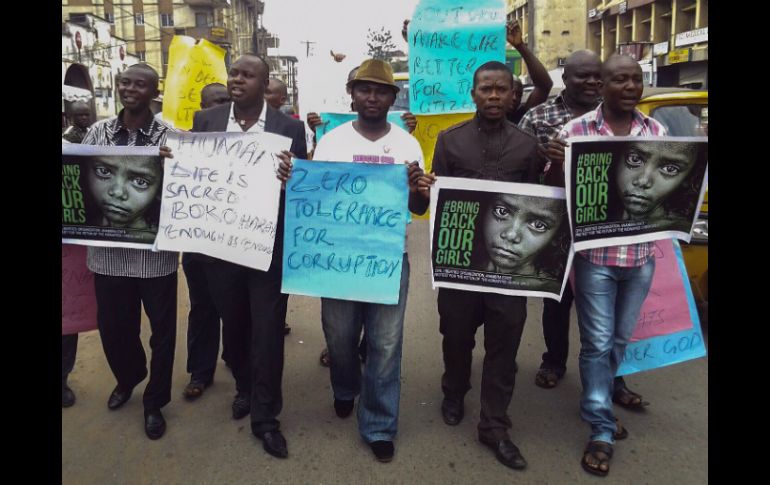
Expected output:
(250, 301)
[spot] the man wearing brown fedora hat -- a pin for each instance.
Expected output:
(370, 138)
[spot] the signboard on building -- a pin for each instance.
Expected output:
(692, 37)
(635, 50)
(679, 55)
(217, 32)
(660, 49)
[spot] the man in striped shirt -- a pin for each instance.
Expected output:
(612, 282)
(125, 279)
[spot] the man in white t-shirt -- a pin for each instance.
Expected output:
(370, 139)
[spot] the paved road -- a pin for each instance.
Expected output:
(668, 443)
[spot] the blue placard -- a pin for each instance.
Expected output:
(669, 349)
(448, 41)
(333, 120)
(345, 228)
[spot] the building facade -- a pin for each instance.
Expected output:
(669, 38)
(92, 59)
(552, 29)
(148, 26)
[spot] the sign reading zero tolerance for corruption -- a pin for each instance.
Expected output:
(221, 196)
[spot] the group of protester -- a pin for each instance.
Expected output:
(610, 283)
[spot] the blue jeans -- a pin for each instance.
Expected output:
(608, 300)
(381, 386)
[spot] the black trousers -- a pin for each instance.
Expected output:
(253, 311)
(503, 317)
(556, 333)
(69, 348)
(202, 323)
(119, 303)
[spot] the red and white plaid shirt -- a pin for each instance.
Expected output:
(592, 124)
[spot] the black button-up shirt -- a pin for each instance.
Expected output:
(506, 154)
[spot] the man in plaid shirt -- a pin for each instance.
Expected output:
(612, 282)
(582, 80)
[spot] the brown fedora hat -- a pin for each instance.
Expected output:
(376, 71)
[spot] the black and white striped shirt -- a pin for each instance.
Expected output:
(135, 263)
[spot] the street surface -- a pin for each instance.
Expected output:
(668, 442)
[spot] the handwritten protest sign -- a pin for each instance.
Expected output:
(221, 196)
(333, 120)
(499, 237)
(110, 195)
(78, 299)
(626, 190)
(668, 331)
(428, 128)
(345, 230)
(448, 41)
(191, 66)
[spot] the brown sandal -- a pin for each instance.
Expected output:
(621, 432)
(592, 449)
(629, 399)
(324, 359)
(547, 378)
(194, 389)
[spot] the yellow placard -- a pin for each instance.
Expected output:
(428, 128)
(191, 66)
(681, 55)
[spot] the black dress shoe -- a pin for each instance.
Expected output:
(343, 408)
(507, 453)
(67, 396)
(452, 412)
(241, 405)
(274, 443)
(383, 450)
(154, 424)
(118, 398)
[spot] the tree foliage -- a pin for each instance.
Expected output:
(380, 44)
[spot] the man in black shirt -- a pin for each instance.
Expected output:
(490, 147)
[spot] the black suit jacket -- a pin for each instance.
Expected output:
(216, 119)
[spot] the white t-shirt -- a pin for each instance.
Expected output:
(345, 144)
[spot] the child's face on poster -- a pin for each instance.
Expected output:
(124, 188)
(649, 174)
(517, 228)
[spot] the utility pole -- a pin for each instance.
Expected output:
(307, 43)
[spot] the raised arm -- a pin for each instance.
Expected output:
(537, 71)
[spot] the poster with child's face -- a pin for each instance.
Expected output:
(499, 237)
(111, 195)
(627, 190)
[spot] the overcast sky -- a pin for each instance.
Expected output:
(338, 25)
